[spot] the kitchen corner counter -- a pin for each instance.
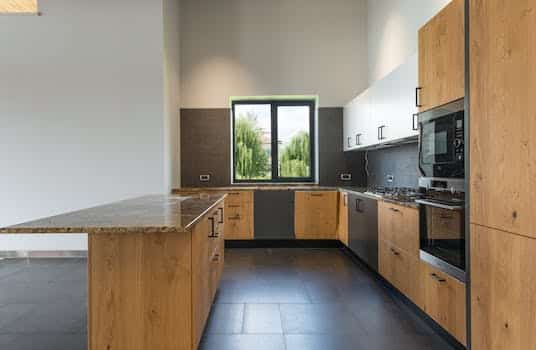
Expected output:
(148, 214)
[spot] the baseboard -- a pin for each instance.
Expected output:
(283, 243)
(405, 302)
(39, 254)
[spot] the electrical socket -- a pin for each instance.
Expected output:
(204, 178)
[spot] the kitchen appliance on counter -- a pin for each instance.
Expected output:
(363, 228)
(441, 142)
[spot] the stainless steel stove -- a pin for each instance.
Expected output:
(399, 194)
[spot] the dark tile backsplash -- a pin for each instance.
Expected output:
(402, 162)
(206, 149)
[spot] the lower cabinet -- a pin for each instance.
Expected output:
(239, 215)
(444, 300)
(401, 269)
(315, 214)
(342, 225)
(207, 267)
(503, 290)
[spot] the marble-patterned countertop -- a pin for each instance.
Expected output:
(148, 214)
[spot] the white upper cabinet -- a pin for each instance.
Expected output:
(384, 113)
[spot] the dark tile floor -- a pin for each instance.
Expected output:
(306, 299)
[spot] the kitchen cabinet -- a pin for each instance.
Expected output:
(399, 261)
(444, 301)
(442, 58)
(239, 215)
(342, 229)
(401, 269)
(400, 226)
(384, 113)
(207, 268)
(503, 124)
(363, 228)
(503, 290)
(315, 214)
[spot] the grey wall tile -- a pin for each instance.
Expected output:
(402, 162)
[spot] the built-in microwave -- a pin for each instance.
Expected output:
(441, 141)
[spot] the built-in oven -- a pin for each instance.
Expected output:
(442, 228)
(441, 141)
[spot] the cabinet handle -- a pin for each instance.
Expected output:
(395, 210)
(395, 252)
(437, 278)
(216, 257)
(212, 228)
(233, 218)
(317, 195)
(358, 205)
(415, 122)
(417, 97)
(358, 139)
(234, 193)
(380, 132)
(348, 140)
(234, 205)
(221, 215)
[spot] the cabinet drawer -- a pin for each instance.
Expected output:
(444, 300)
(239, 221)
(216, 267)
(315, 214)
(239, 197)
(399, 225)
(401, 270)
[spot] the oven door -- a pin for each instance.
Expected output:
(443, 235)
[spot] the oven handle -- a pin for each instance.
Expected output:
(438, 205)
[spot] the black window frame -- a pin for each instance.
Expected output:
(274, 104)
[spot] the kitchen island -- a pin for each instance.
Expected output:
(154, 265)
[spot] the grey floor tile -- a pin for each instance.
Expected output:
(265, 292)
(262, 318)
(323, 342)
(225, 319)
(12, 312)
(319, 319)
(50, 341)
(243, 342)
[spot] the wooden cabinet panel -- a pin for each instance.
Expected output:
(503, 290)
(401, 270)
(201, 298)
(503, 122)
(444, 300)
(315, 214)
(399, 225)
(239, 215)
(442, 57)
(343, 218)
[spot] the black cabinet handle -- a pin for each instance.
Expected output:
(437, 278)
(212, 228)
(417, 97)
(380, 132)
(395, 210)
(415, 122)
(221, 215)
(358, 139)
(358, 205)
(349, 139)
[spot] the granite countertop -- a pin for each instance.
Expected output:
(298, 187)
(148, 214)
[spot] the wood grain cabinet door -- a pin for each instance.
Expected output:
(503, 118)
(503, 290)
(400, 226)
(201, 294)
(343, 218)
(442, 58)
(315, 214)
(444, 300)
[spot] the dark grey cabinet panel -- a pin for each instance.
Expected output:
(363, 228)
(274, 214)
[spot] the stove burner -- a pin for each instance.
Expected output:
(400, 194)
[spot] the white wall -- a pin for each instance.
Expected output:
(392, 31)
(81, 109)
(275, 47)
(171, 24)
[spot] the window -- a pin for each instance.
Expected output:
(18, 6)
(273, 141)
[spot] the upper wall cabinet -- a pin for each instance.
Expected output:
(385, 112)
(442, 58)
